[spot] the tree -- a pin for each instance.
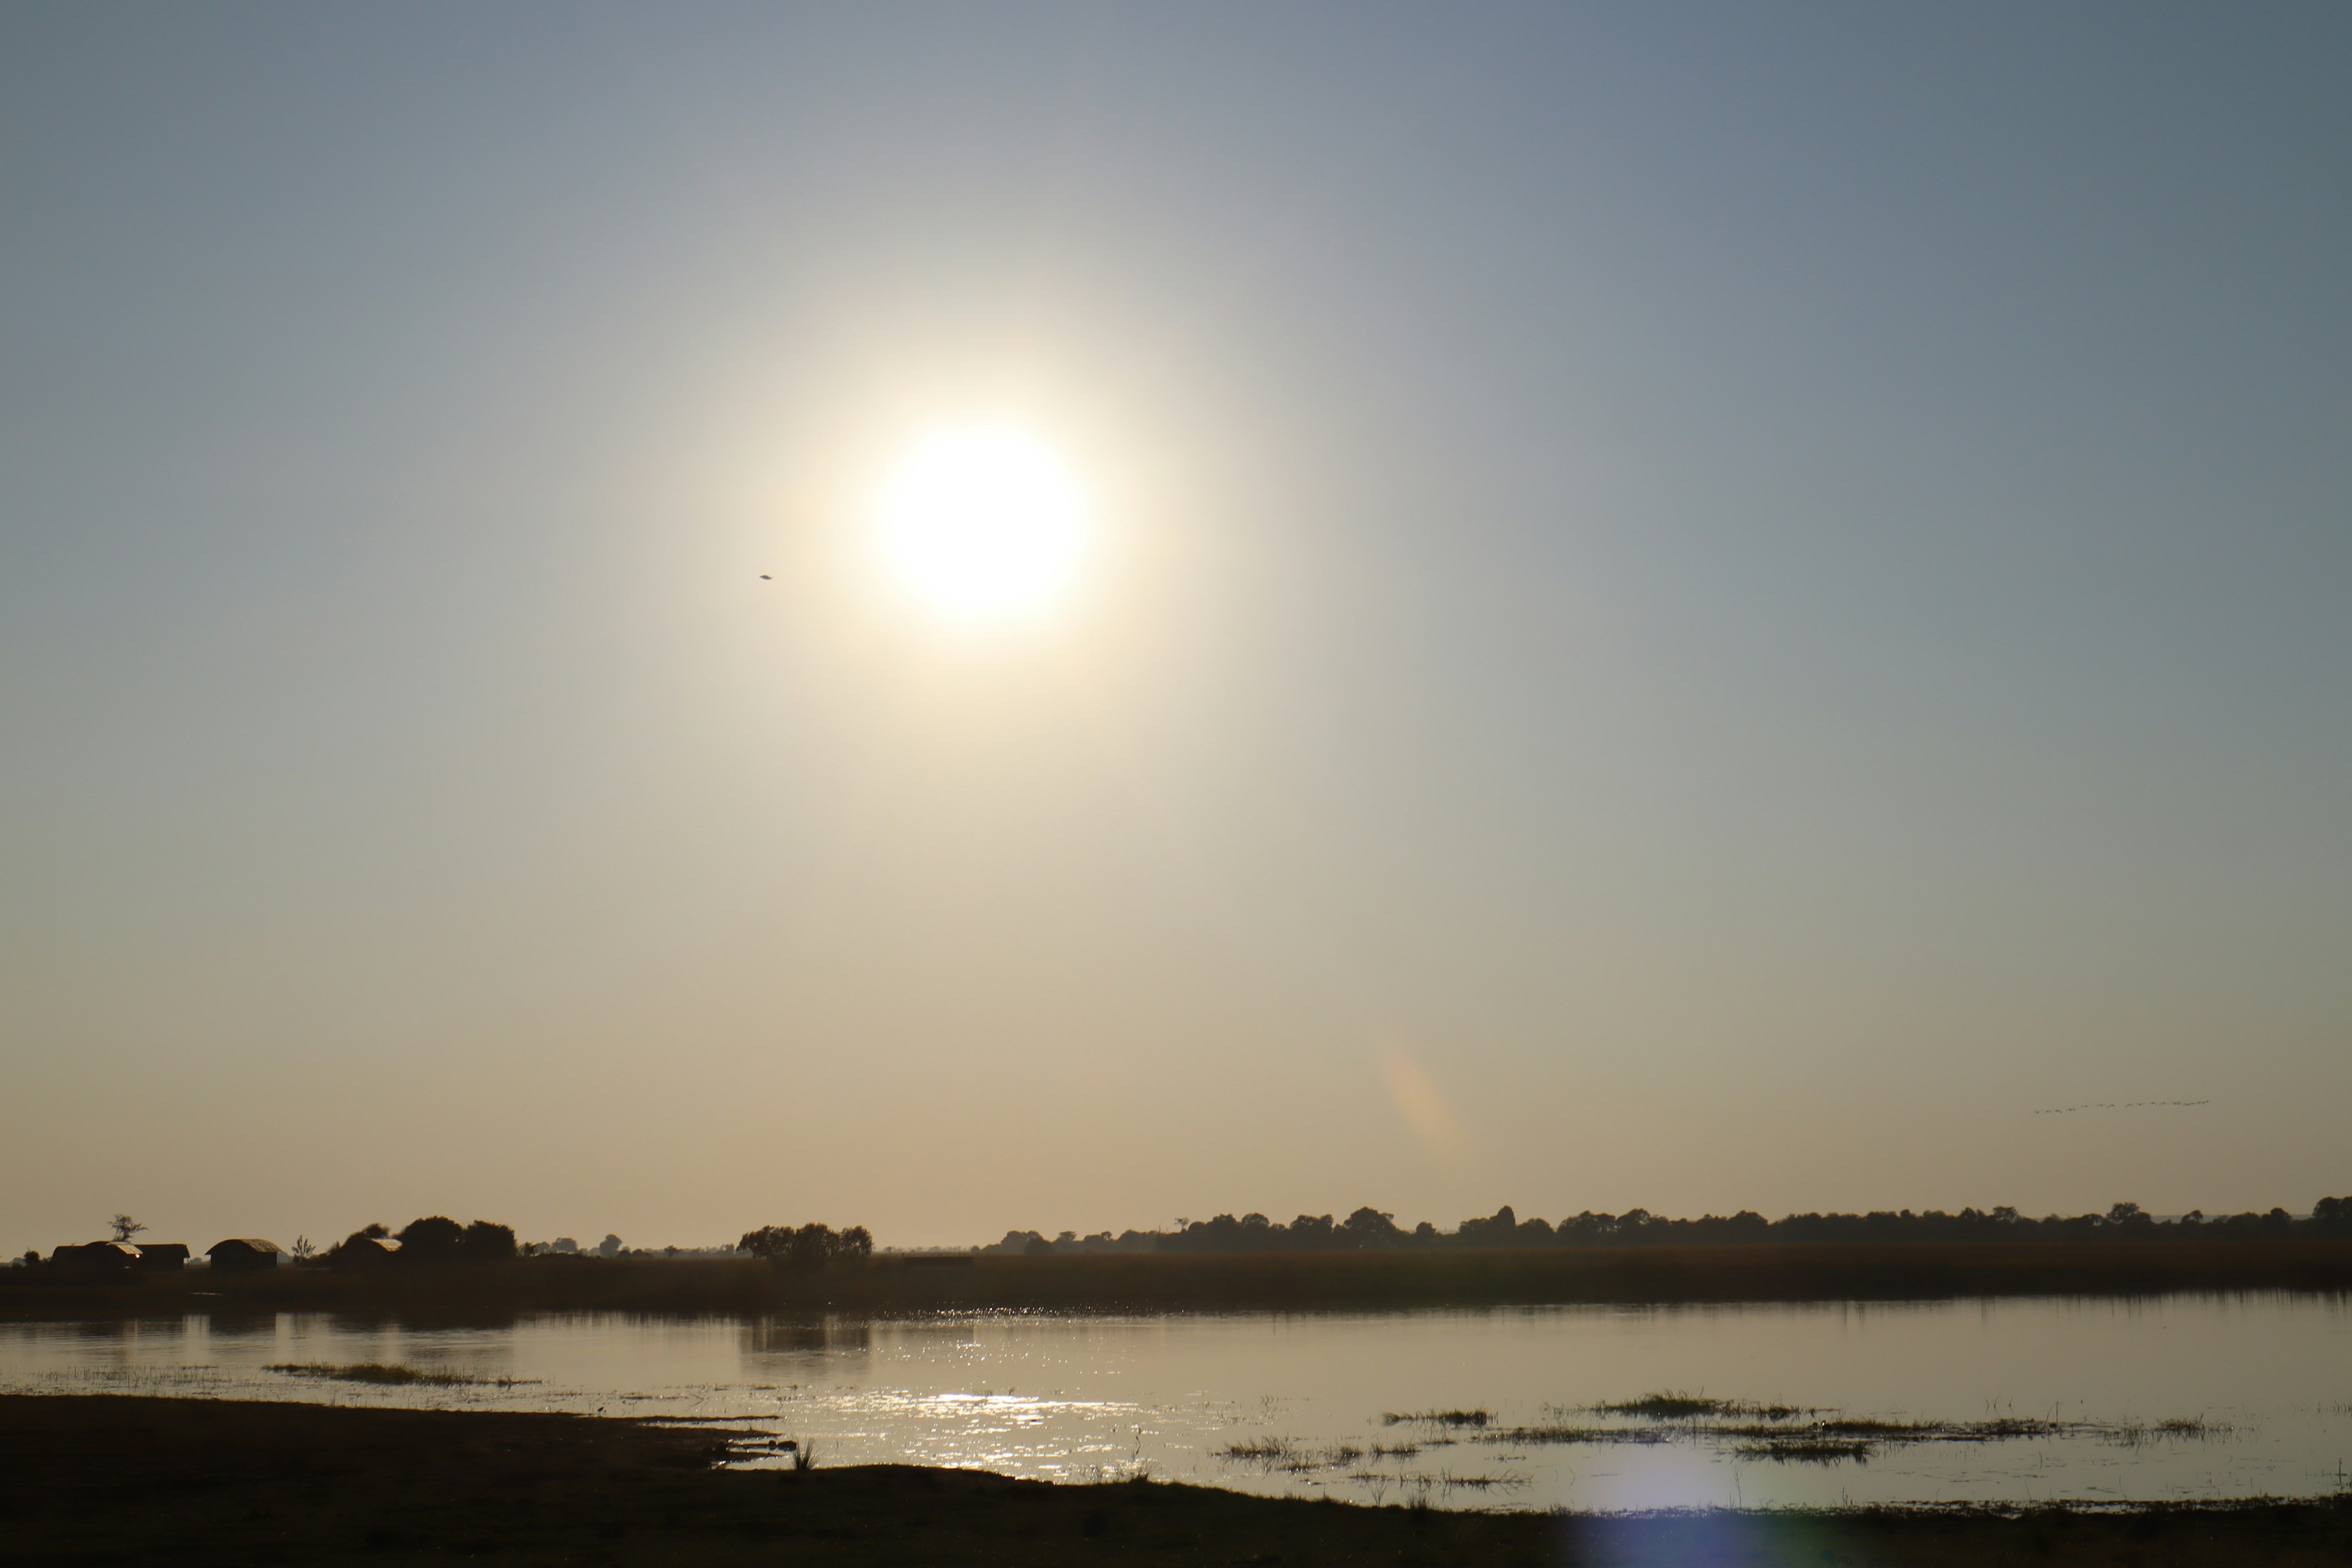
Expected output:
(808, 1246)
(489, 1243)
(125, 1227)
(303, 1250)
(437, 1238)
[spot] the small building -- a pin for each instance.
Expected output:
(246, 1253)
(368, 1252)
(164, 1257)
(98, 1257)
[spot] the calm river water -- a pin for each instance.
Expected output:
(2257, 1391)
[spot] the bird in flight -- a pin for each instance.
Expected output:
(766, 577)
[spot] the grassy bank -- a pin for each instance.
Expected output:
(1157, 1282)
(103, 1481)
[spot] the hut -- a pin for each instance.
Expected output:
(246, 1253)
(98, 1257)
(167, 1257)
(368, 1252)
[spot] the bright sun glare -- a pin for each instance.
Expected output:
(983, 523)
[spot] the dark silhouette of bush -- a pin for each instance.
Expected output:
(809, 1245)
(489, 1243)
(435, 1238)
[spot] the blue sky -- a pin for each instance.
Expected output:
(1737, 597)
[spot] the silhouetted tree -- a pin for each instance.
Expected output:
(125, 1227)
(1314, 1230)
(1501, 1230)
(489, 1243)
(810, 1245)
(437, 1238)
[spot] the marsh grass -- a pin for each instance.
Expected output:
(1804, 1450)
(2138, 1435)
(398, 1376)
(1292, 1457)
(1668, 1405)
(1561, 1433)
(1436, 1417)
(1672, 1405)
(1773, 1431)
(1267, 1449)
(1480, 1483)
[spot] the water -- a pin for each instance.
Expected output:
(1067, 1398)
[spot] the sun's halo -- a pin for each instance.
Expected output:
(983, 523)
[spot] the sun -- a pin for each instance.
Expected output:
(983, 523)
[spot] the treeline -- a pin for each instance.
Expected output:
(807, 1245)
(1369, 1228)
(435, 1238)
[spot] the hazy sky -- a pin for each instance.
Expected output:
(1695, 607)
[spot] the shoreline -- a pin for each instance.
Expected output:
(93, 1477)
(1147, 1283)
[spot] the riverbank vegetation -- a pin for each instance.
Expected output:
(1370, 1229)
(889, 1285)
(198, 1482)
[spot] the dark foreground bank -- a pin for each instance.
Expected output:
(92, 1480)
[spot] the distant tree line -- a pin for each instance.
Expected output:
(1369, 1228)
(437, 1238)
(807, 1245)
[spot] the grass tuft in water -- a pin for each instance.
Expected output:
(378, 1372)
(1803, 1449)
(1268, 1449)
(1672, 1404)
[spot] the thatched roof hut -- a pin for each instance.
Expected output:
(246, 1253)
(97, 1255)
(368, 1252)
